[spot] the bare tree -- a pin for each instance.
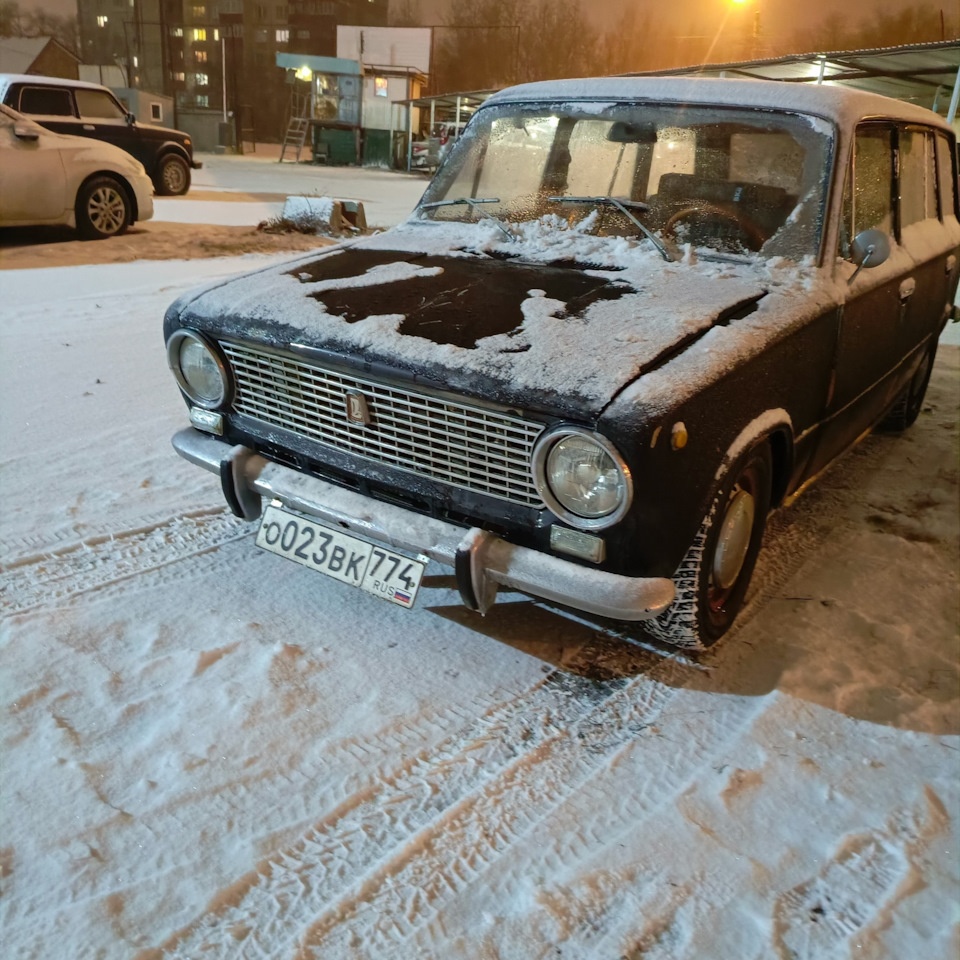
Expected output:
(15, 22)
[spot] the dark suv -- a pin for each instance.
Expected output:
(90, 110)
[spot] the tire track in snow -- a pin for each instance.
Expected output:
(284, 895)
(281, 798)
(404, 896)
(816, 918)
(110, 558)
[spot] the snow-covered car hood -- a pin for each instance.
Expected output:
(559, 320)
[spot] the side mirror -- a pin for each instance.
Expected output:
(26, 131)
(870, 248)
(131, 119)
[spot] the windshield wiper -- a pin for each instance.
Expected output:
(622, 206)
(474, 204)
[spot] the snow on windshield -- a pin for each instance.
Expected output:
(732, 180)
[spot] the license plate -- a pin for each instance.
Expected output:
(388, 575)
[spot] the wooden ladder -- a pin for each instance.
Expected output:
(298, 126)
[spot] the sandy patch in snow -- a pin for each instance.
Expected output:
(31, 248)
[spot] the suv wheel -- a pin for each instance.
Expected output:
(173, 177)
(103, 208)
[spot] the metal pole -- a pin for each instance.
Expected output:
(223, 72)
(952, 112)
(823, 67)
(409, 132)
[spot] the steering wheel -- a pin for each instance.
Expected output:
(706, 211)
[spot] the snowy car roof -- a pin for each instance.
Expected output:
(840, 104)
(8, 79)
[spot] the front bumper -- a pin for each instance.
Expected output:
(482, 562)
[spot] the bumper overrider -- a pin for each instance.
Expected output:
(482, 561)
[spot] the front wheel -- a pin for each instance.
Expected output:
(173, 176)
(103, 209)
(713, 576)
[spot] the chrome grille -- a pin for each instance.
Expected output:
(480, 450)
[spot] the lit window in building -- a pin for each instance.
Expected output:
(203, 100)
(200, 55)
(199, 33)
(102, 20)
(136, 61)
(202, 80)
(176, 31)
(380, 86)
(199, 12)
(283, 36)
(179, 76)
(216, 34)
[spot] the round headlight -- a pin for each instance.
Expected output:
(198, 369)
(582, 478)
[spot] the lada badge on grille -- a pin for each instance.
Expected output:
(357, 410)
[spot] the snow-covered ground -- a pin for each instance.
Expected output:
(213, 753)
(388, 195)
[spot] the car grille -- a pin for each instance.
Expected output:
(464, 446)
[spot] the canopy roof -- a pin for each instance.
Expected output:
(920, 73)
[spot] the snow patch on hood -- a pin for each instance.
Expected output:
(585, 358)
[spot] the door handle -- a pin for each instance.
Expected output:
(907, 289)
(89, 126)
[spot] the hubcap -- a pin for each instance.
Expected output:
(173, 176)
(107, 210)
(734, 540)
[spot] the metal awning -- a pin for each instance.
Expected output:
(444, 102)
(922, 73)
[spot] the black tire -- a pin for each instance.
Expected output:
(173, 176)
(103, 208)
(906, 408)
(709, 592)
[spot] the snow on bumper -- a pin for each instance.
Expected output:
(483, 562)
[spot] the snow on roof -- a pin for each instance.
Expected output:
(8, 79)
(841, 104)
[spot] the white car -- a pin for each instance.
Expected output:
(52, 178)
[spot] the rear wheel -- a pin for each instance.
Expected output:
(909, 402)
(103, 208)
(173, 176)
(713, 577)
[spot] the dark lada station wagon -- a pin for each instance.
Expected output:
(91, 110)
(627, 319)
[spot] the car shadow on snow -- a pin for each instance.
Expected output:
(853, 605)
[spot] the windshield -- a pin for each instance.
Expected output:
(730, 180)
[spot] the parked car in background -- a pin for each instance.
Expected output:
(48, 179)
(91, 110)
(628, 318)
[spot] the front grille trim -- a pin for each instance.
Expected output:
(481, 450)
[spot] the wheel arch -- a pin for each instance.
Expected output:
(122, 180)
(776, 428)
(170, 147)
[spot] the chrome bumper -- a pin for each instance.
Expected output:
(483, 562)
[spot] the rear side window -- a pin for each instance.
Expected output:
(947, 178)
(98, 105)
(918, 186)
(46, 101)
